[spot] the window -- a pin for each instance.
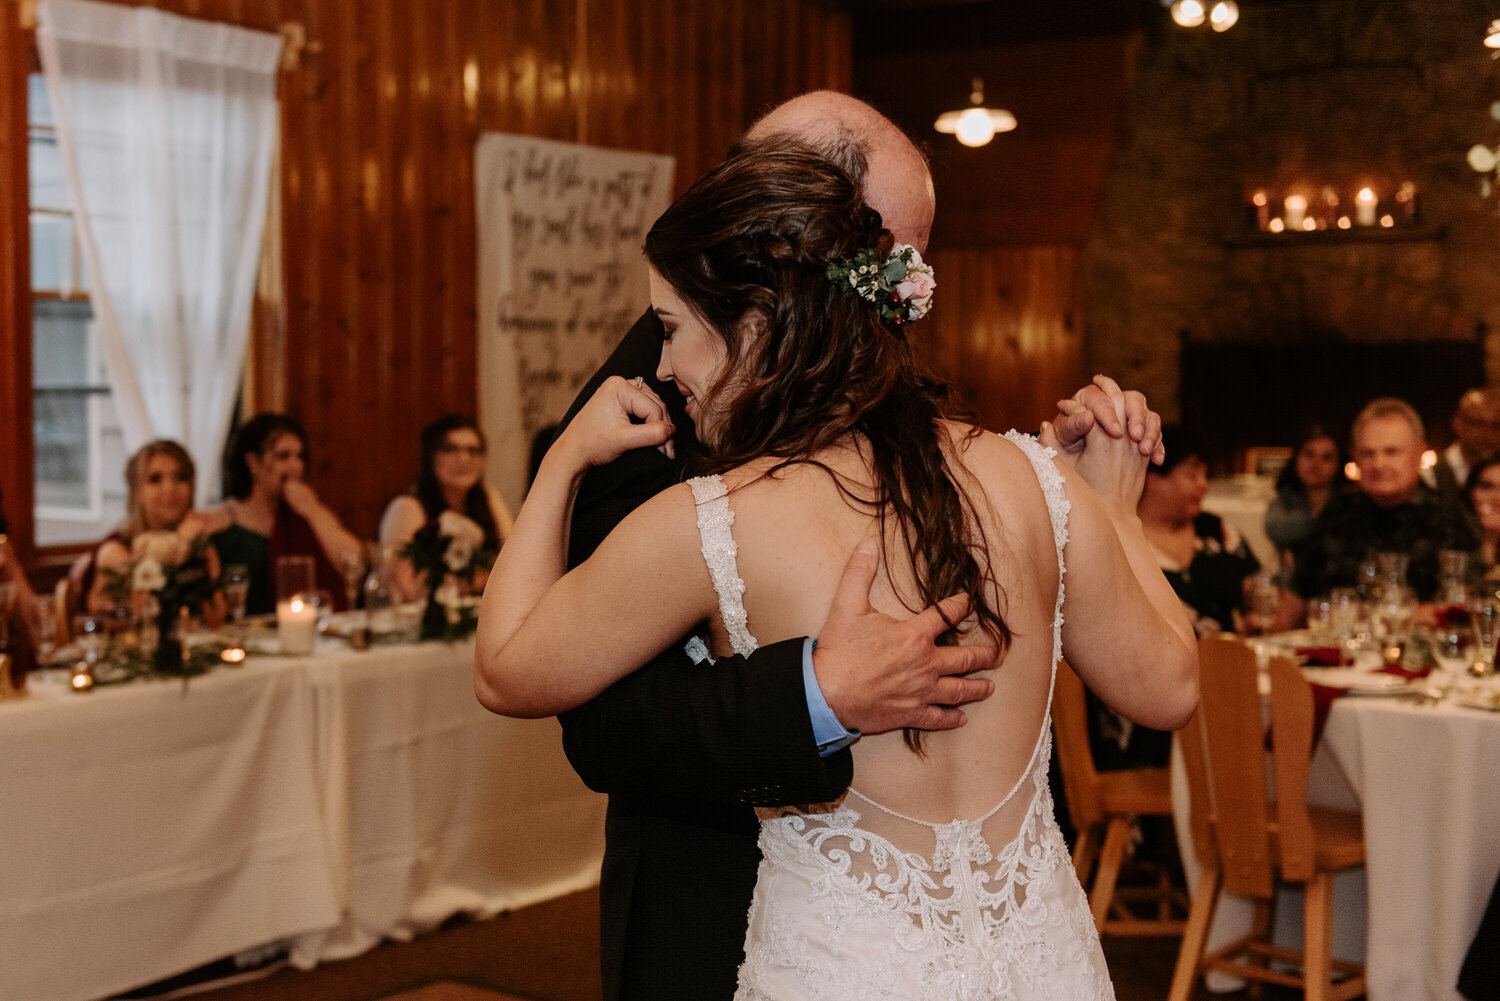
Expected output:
(79, 448)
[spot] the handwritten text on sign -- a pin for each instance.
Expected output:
(561, 272)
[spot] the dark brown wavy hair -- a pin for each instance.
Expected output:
(748, 248)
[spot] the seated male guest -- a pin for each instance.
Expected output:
(1476, 435)
(1392, 511)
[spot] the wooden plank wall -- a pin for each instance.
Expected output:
(1003, 330)
(376, 334)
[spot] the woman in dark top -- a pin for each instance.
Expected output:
(1205, 559)
(272, 512)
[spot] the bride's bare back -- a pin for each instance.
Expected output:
(794, 533)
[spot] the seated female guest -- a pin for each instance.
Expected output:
(1315, 474)
(1482, 495)
(272, 512)
(159, 482)
(1205, 560)
(451, 479)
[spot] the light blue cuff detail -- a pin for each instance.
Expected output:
(827, 730)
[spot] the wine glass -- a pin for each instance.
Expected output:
(235, 583)
(91, 636)
(352, 569)
(1390, 622)
(1484, 613)
(1265, 600)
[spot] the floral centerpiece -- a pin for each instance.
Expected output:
(171, 572)
(451, 555)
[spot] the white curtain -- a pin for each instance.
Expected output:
(166, 127)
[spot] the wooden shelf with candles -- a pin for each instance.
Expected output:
(1399, 233)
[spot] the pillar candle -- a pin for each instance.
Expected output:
(296, 626)
(1364, 207)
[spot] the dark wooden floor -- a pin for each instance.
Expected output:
(549, 952)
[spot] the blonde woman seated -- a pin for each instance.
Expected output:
(160, 534)
(450, 496)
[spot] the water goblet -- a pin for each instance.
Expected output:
(91, 635)
(1390, 622)
(1265, 600)
(235, 583)
(1484, 614)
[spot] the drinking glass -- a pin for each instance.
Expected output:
(236, 587)
(295, 576)
(91, 636)
(1393, 568)
(1320, 620)
(1484, 613)
(1265, 599)
(352, 569)
(1390, 621)
(44, 627)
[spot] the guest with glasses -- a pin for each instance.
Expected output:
(451, 479)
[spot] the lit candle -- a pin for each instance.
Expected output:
(1296, 211)
(1364, 207)
(296, 626)
(1262, 209)
(1276, 226)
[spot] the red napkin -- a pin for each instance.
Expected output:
(1323, 696)
(1402, 672)
(1321, 656)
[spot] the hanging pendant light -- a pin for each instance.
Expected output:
(975, 125)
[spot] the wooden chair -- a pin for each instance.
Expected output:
(1104, 805)
(1252, 835)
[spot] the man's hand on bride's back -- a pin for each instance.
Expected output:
(878, 673)
(623, 414)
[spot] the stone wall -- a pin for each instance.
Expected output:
(1298, 96)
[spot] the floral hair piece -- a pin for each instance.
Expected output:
(899, 286)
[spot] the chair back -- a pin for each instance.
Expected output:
(1075, 758)
(1291, 750)
(64, 605)
(1230, 736)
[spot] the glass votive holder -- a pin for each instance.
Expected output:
(296, 624)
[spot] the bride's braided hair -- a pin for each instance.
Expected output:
(748, 247)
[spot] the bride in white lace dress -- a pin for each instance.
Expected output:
(941, 873)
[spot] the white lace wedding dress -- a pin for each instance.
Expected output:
(857, 901)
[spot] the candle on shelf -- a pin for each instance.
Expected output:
(1328, 216)
(1364, 207)
(1296, 211)
(296, 625)
(1276, 225)
(1387, 220)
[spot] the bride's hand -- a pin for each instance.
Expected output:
(623, 414)
(1113, 467)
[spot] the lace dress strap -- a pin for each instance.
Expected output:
(715, 529)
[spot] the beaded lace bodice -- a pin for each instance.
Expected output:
(855, 900)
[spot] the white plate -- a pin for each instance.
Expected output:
(1361, 682)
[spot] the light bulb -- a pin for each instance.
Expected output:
(1223, 15)
(1188, 13)
(975, 127)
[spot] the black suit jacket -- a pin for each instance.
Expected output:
(684, 752)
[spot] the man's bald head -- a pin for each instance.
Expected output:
(888, 167)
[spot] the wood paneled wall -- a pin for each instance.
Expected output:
(1003, 330)
(375, 332)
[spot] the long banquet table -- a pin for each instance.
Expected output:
(330, 801)
(1422, 775)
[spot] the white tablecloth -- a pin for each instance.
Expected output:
(1423, 776)
(335, 800)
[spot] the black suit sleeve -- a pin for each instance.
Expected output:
(736, 731)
